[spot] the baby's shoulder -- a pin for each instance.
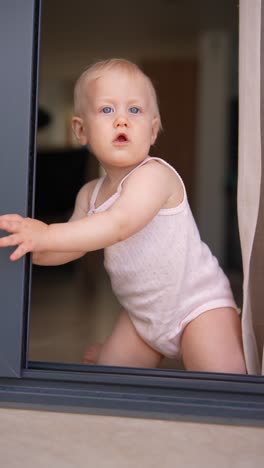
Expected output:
(152, 167)
(157, 172)
(170, 175)
(173, 181)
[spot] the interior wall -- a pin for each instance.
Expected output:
(212, 138)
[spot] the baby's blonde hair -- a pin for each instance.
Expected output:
(95, 71)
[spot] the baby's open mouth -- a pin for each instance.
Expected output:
(121, 138)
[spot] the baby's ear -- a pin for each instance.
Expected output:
(79, 131)
(155, 129)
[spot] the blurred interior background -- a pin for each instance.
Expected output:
(190, 50)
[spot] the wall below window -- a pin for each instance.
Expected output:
(72, 440)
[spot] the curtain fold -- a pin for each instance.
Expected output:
(250, 178)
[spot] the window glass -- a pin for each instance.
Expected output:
(189, 49)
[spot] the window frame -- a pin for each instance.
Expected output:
(148, 393)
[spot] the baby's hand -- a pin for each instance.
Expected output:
(28, 234)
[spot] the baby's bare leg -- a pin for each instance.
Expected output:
(125, 347)
(212, 342)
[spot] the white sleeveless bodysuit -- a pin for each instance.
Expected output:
(164, 276)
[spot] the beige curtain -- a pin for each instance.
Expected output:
(251, 177)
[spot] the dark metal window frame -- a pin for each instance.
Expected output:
(151, 393)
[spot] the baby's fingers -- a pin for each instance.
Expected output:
(19, 252)
(11, 217)
(9, 241)
(10, 223)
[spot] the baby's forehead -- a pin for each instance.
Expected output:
(109, 78)
(133, 86)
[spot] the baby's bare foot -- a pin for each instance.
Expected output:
(91, 354)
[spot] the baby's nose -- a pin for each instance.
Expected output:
(121, 121)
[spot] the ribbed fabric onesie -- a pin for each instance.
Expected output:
(164, 275)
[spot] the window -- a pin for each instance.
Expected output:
(72, 305)
(154, 393)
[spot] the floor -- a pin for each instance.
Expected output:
(68, 313)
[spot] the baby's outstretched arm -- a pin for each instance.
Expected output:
(16, 225)
(28, 234)
(143, 194)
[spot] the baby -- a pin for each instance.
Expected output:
(176, 301)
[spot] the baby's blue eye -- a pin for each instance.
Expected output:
(134, 110)
(107, 110)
